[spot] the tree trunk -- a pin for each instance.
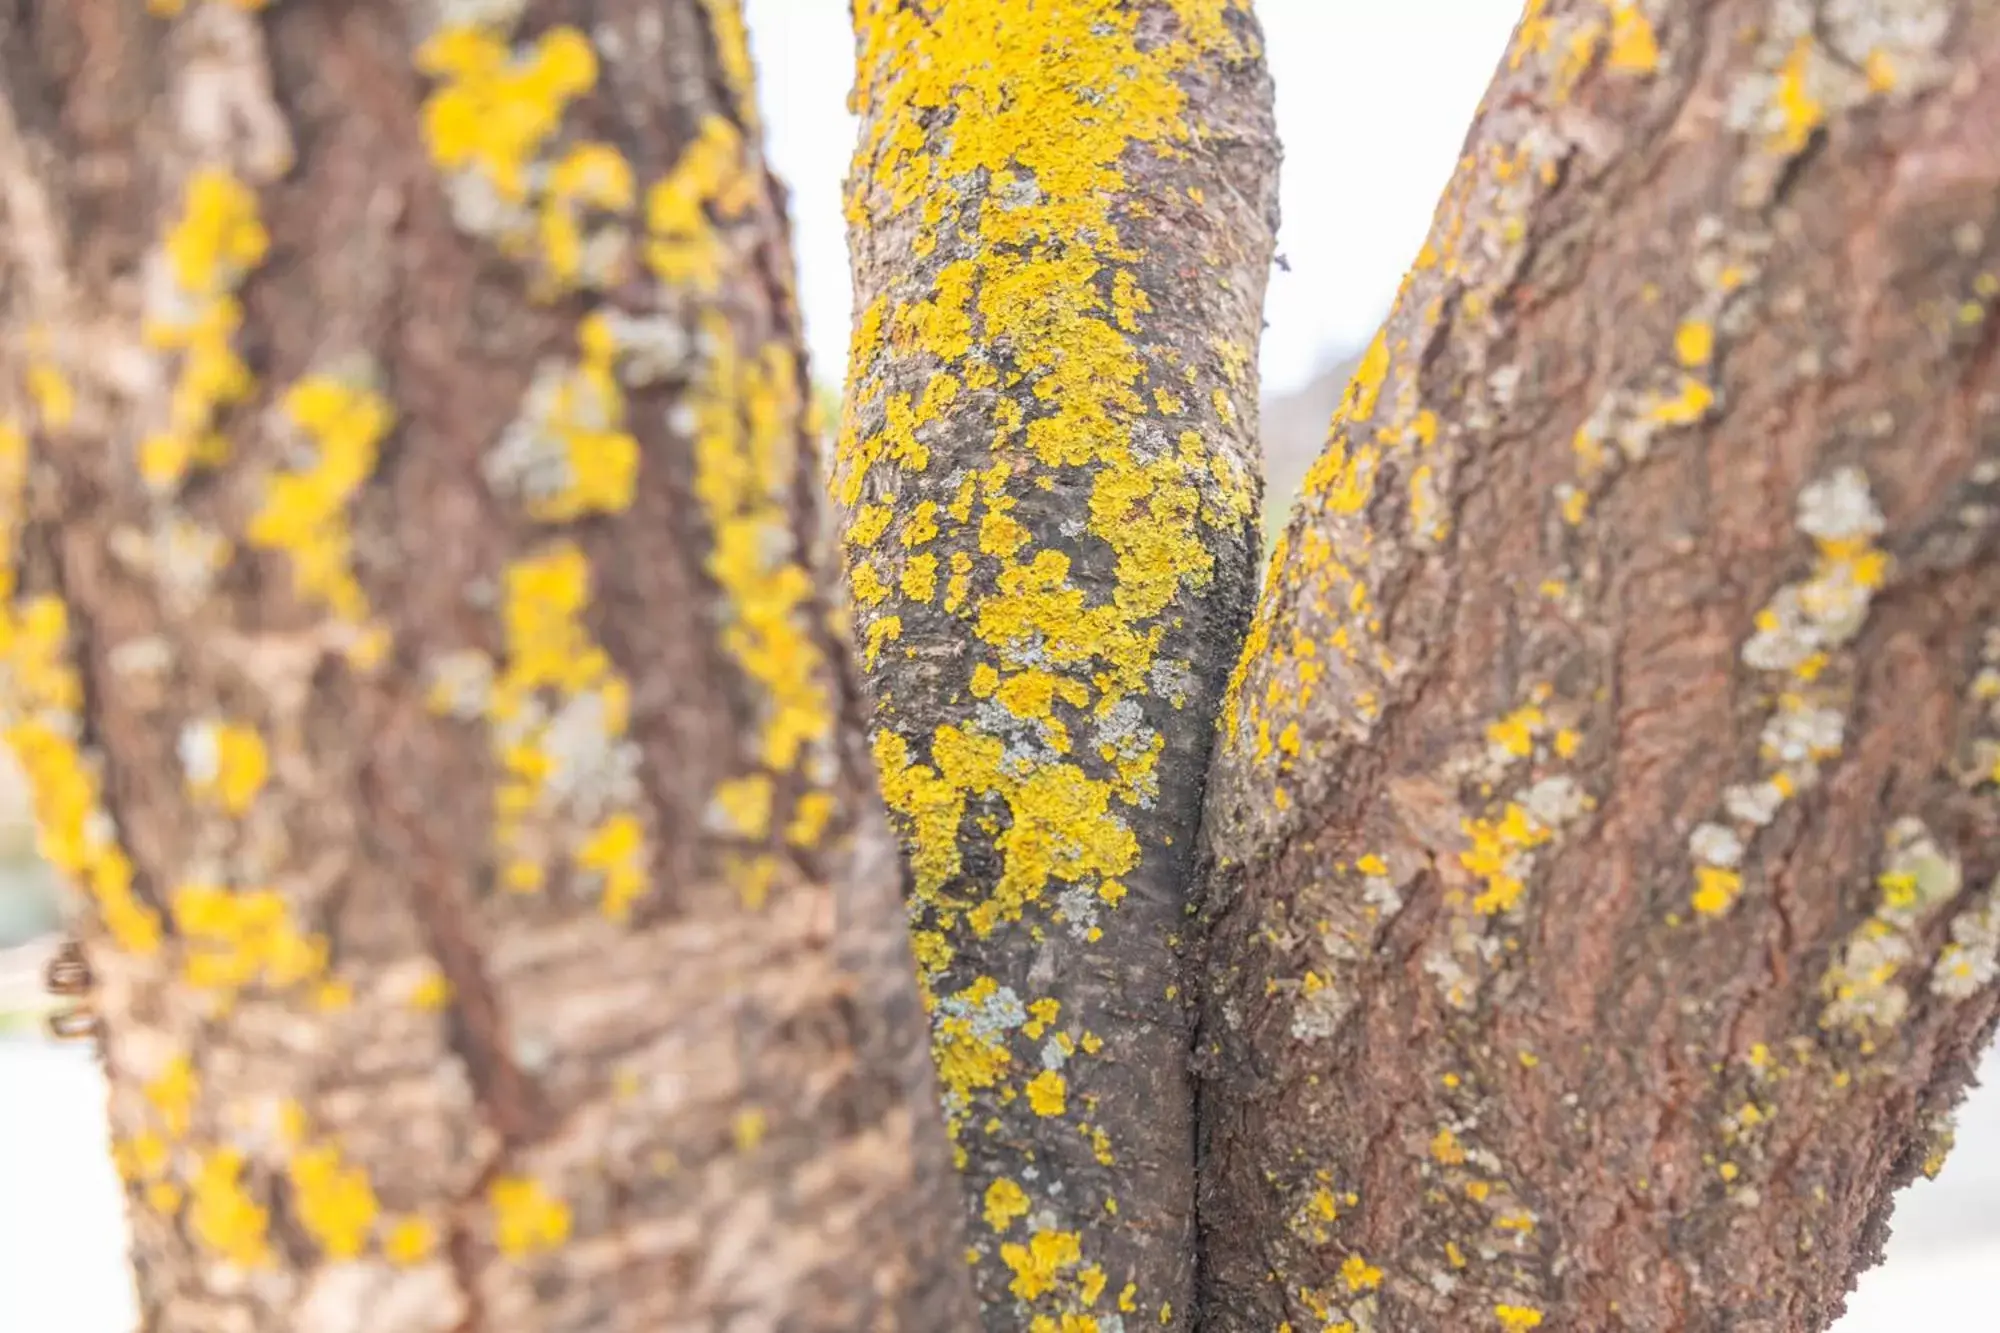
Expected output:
(1601, 921)
(417, 664)
(1061, 220)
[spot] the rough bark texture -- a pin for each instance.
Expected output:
(417, 669)
(1602, 919)
(1061, 219)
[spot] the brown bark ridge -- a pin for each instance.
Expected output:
(417, 667)
(1061, 218)
(1602, 918)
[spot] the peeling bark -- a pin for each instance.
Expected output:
(1600, 914)
(415, 648)
(1061, 217)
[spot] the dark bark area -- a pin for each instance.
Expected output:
(1061, 217)
(1600, 909)
(416, 652)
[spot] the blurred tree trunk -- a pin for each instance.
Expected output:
(1601, 921)
(1061, 217)
(414, 656)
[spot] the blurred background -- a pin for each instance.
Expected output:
(1373, 103)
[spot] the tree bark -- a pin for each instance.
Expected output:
(419, 665)
(1601, 906)
(1061, 218)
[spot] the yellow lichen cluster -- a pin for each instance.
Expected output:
(487, 123)
(1808, 71)
(342, 419)
(496, 109)
(243, 937)
(732, 51)
(212, 247)
(1502, 841)
(1317, 1209)
(1797, 643)
(559, 713)
(972, 1035)
(1347, 1303)
(1060, 830)
(220, 1211)
(41, 701)
(747, 412)
(223, 1215)
(493, 123)
(526, 1217)
(333, 1200)
(569, 453)
(683, 247)
(1864, 984)
(169, 1095)
(1049, 1265)
(1574, 39)
(226, 765)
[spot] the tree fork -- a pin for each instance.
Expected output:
(1601, 910)
(1061, 219)
(417, 655)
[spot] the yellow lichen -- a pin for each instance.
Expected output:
(44, 700)
(224, 1216)
(333, 1200)
(683, 248)
(1716, 889)
(432, 991)
(303, 513)
(233, 766)
(1048, 1093)
(1800, 112)
(745, 450)
(1694, 343)
(237, 938)
(215, 241)
(1359, 1274)
(526, 1218)
(1005, 1201)
(1038, 1264)
(550, 655)
(1634, 48)
(410, 1240)
(748, 1128)
(494, 111)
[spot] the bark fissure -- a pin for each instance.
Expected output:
(513, 1103)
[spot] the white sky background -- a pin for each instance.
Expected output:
(1374, 98)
